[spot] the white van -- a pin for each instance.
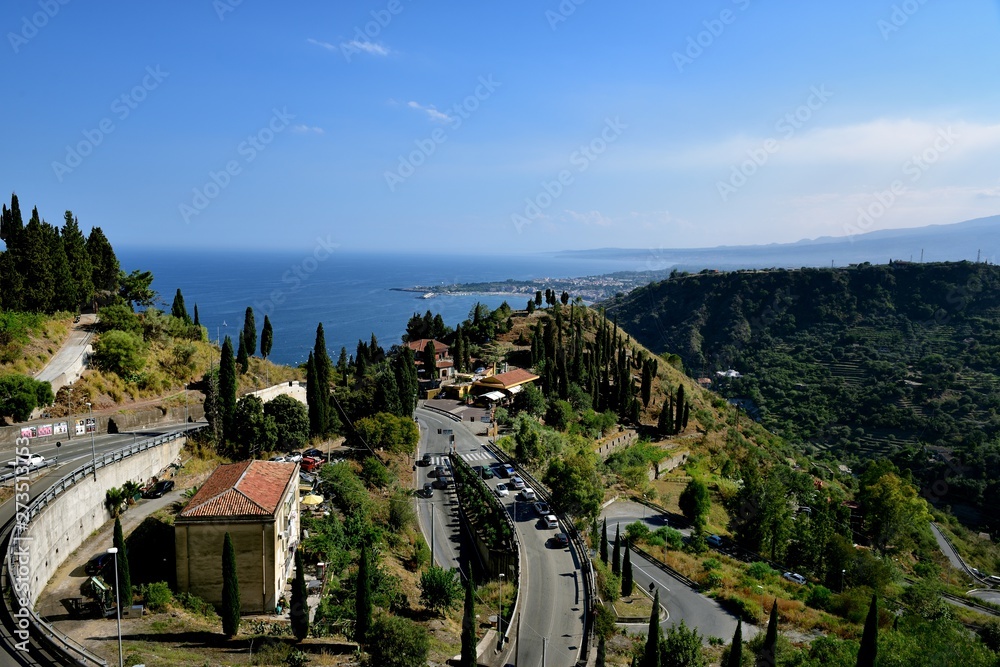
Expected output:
(528, 493)
(551, 521)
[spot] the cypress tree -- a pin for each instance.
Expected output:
(178, 309)
(406, 380)
(869, 640)
(628, 583)
(601, 649)
(250, 332)
(468, 656)
(242, 359)
(124, 577)
(79, 261)
(363, 599)
(230, 588)
(35, 267)
(604, 542)
(430, 361)
(647, 383)
(266, 338)
(316, 425)
(342, 365)
(103, 260)
(679, 406)
(767, 656)
(651, 653)
(616, 565)
(197, 322)
(64, 295)
(322, 360)
(227, 387)
(736, 648)
(300, 603)
(386, 397)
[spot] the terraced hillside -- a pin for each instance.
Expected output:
(900, 360)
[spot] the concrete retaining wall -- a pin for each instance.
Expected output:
(79, 510)
(293, 388)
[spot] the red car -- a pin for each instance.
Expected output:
(311, 463)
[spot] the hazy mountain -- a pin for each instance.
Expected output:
(938, 243)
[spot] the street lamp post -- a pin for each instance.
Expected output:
(93, 448)
(500, 614)
(118, 607)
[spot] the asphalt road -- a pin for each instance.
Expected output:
(69, 354)
(552, 604)
(681, 602)
(69, 456)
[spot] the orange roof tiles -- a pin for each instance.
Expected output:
(510, 378)
(245, 489)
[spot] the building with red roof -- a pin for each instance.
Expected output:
(257, 503)
(443, 362)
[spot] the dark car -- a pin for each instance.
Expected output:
(314, 452)
(443, 482)
(426, 459)
(438, 471)
(96, 564)
(559, 540)
(159, 489)
(484, 472)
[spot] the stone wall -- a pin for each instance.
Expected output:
(79, 510)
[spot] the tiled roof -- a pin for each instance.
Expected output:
(246, 489)
(419, 345)
(510, 378)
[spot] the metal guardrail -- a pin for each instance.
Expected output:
(666, 568)
(60, 642)
(589, 582)
(443, 413)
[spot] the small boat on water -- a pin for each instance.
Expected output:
(428, 295)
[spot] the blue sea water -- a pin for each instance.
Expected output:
(350, 293)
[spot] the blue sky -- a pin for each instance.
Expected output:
(408, 124)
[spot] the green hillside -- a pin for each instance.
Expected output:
(898, 361)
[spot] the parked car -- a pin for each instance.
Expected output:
(277, 459)
(32, 460)
(314, 452)
(714, 541)
(443, 482)
(501, 491)
(294, 457)
(161, 487)
(550, 521)
(438, 471)
(504, 469)
(96, 564)
(559, 540)
(528, 494)
(794, 578)
(428, 490)
(484, 472)
(517, 482)
(542, 508)
(312, 463)
(426, 459)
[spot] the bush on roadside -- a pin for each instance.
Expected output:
(156, 596)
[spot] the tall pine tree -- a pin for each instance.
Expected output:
(767, 656)
(124, 576)
(242, 359)
(651, 652)
(266, 338)
(299, 611)
(604, 542)
(736, 648)
(231, 607)
(628, 582)
(250, 332)
(178, 309)
(227, 388)
(104, 262)
(468, 655)
(616, 565)
(322, 360)
(363, 598)
(197, 322)
(869, 639)
(75, 246)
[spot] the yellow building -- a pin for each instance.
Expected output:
(257, 503)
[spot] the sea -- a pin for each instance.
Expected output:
(351, 293)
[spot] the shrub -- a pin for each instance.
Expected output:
(711, 564)
(673, 537)
(761, 571)
(820, 597)
(196, 605)
(402, 643)
(156, 595)
(637, 531)
(712, 580)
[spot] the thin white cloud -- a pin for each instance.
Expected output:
(323, 45)
(432, 112)
(308, 129)
(353, 46)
